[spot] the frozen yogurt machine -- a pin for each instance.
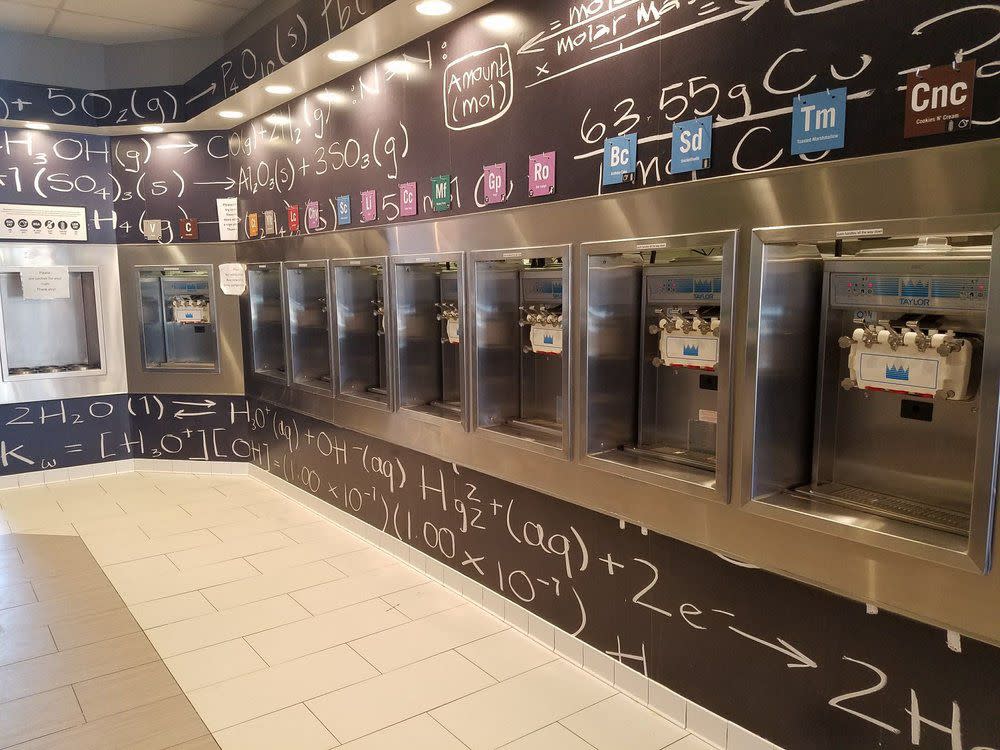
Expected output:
(176, 306)
(363, 353)
(309, 329)
(656, 376)
(519, 302)
(876, 382)
(266, 293)
(429, 306)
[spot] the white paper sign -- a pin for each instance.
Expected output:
(45, 282)
(232, 277)
(229, 220)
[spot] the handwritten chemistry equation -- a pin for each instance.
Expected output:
(588, 583)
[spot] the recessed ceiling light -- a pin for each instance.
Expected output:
(231, 114)
(433, 8)
(498, 22)
(400, 67)
(343, 55)
(334, 97)
(37, 125)
(279, 89)
(151, 129)
(278, 119)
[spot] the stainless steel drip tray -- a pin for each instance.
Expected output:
(950, 520)
(536, 430)
(672, 455)
(451, 410)
(653, 467)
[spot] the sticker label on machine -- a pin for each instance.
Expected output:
(910, 374)
(702, 351)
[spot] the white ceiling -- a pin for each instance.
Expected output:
(123, 21)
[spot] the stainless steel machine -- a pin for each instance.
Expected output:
(309, 326)
(520, 310)
(656, 345)
(52, 333)
(176, 306)
(363, 325)
(429, 308)
(876, 382)
(266, 294)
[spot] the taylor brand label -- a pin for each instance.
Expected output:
(408, 199)
(542, 174)
(939, 99)
(870, 232)
(495, 183)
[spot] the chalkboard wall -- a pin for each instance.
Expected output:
(802, 667)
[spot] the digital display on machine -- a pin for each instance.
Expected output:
(698, 288)
(931, 292)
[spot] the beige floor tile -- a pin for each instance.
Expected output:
(223, 517)
(208, 503)
(420, 601)
(691, 743)
(128, 522)
(111, 551)
(137, 591)
(621, 722)
(207, 666)
(405, 644)
(125, 690)
(16, 594)
(419, 733)
(243, 698)
(51, 587)
(364, 708)
(300, 554)
(326, 531)
(38, 715)
(171, 609)
(319, 633)
(67, 667)
(507, 654)
(552, 737)
(282, 507)
(93, 628)
(348, 591)
(159, 725)
(521, 705)
(263, 586)
(25, 642)
(202, 743)
(363, 560)
(139, 570)
(254, 527)
(55, 610)
(242, 547)
(217, 627)
(290, 726)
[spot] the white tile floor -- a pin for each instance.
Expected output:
(286, 630)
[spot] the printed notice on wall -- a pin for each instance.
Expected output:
(45, 282)
(23, 222)
(232, 278)
(229, 219)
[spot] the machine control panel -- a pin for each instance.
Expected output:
(685, 286)
(937, 293)
(537, 288)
